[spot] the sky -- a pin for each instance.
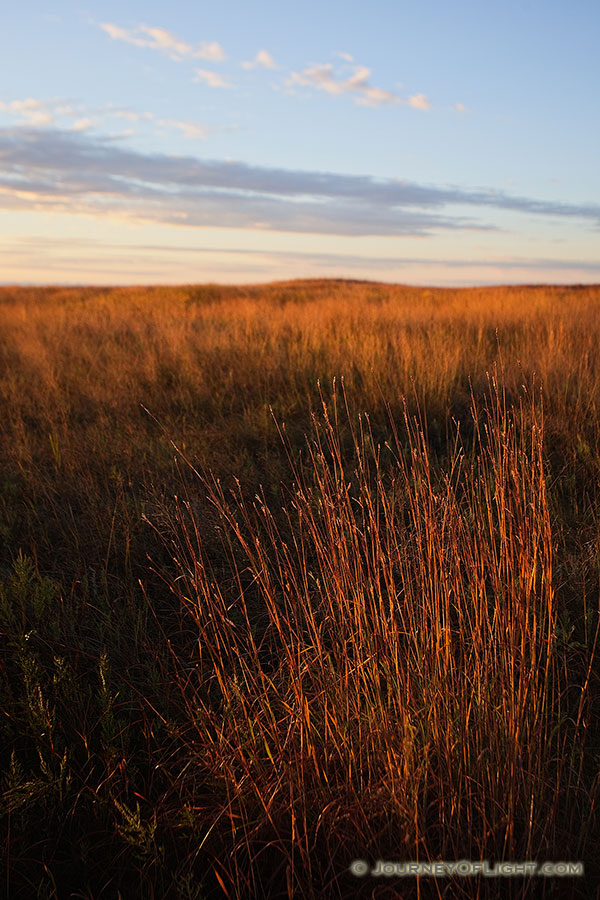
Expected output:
(239, 142)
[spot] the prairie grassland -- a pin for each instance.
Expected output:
(294, 575)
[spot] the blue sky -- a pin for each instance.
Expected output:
(429, 143)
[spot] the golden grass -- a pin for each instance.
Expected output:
(375, 642)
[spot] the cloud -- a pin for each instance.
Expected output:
(82, 124)
(31, 111)
(165, 42)
(71, 171)
(188, 129)
(323, 77)
(419, 101)
(262, 60)
(37, 113)
(212, 79)
(26, 105)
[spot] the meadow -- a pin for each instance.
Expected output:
(293, 575)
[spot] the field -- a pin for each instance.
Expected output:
(295, 575)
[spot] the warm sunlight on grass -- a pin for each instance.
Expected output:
(294, 575)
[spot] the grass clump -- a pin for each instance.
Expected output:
(383, 677)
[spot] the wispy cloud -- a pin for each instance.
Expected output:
(83, 124)
(262, 60)
(77, 172)
(189, 129)
(36, 113)
(212, 79)
(159, 39)
(324, 77)
(31, 111)
(419, 101)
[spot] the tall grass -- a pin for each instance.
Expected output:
(380, 677)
